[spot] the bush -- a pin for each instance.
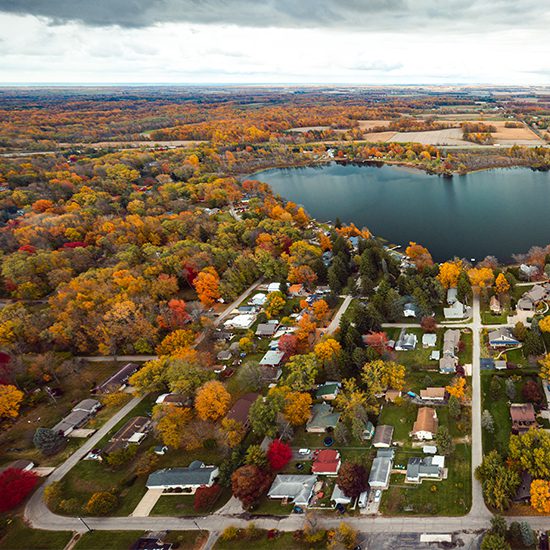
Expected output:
(15, 486)
(206, 497)
(101, 503)
(229, 533)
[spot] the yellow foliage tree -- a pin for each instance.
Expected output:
(544, 363)
(481, 277)
(175, 341)
(544, 324)
(457, 388)
(449, 272)
(172, 423)
(502, 286)
(207, 285)
(540, 495)
(297, 407)
(212, 401)
(320, 310)
(10, 401)
(274, 304)
(233, 432)
(327, 350)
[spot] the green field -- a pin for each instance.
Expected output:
(118, 540)
(21, 537)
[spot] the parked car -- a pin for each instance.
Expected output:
(304, 452)
(377, 495)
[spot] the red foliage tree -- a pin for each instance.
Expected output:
(288, 343)
(249, 483)
(205, 497)
(278, 454)
(428, 324)
(15, 486)
(377, 341)
(531, 392)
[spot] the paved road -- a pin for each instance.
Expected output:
(335, 323)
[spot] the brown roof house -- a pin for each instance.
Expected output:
(433, 394)
(425, 426)
(239, 411)
(523, 417)
(383, 436)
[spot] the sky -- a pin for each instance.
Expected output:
(364, 42)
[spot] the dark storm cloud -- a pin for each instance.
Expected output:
(397, 15)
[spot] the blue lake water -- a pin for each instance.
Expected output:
(495, 212)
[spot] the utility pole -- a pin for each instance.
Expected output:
(85, 524)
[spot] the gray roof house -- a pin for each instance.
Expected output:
(73, 420)
(406, 342)
(379, 476)
(430, 467)
(88, 405)
(118, 380)
(272, 358)
(322, 417)
(525, 304)
(452, 294)
(297, 488)
(449, 361)
(267, 329)
(188, 479)
(382, 436)
(447, 365)
(456, 311)
(502, 337)
(429, 340)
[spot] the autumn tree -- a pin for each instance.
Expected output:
(249, 483)
(449, 273)
(212, 401)
(263, 415)
(327, 350)
(207, 285)
(297, 407)
(419, 255)
(540, 495)
(377, 341)
(171, 424)
(274, 304)
(544, 372)
(15, 486)
(481, 277)
(205, 497)
(176, 341)
(302, 371)
(232, 431)
(320, 311)
(498, 481)
(288, 344)
(256, 455)
(101, 503)
(279, 454)
(457, 388)
(379, 376)
(544, 324)
(502, 286)
(10, 401)
(305, 330)
(428, 324)
(352, 479)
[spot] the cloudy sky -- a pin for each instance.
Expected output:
(275, 41)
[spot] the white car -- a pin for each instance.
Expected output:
(304, 452)
(377, 495)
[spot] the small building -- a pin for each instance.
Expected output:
(409, 310)
(523, 493)
(273, 287)
(272, 358)
(338, 496)
(430, 467)
(323, 418)
(391, 395)
(328, 391)
(296, 290)
(296, 488)
(224, 355)
(368, 431)
(433, 394)
(379, 477)
(435, 355)
(176, 399)
(447, 365)
(425, 426)
(90, 406)
(494, 305)
(501, 364)
(267, 329)
(183, 479)
(240, 409)
(406, 342)
(452, 296)
(527, 272)
(258, 300)
(383, 436)
(326, 462)
(118, 381)
(502, 337)
(523, 417)
(134, 431)
(429, 340)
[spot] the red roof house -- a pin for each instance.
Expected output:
(326, 462)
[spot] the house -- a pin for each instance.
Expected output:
(296, 290)
(425, 426)
(409, 310)
(271, 374)
(296, 488)
(523, 417)
(455, 311)
(338, 496)
(322, 418)
(368, 431)
(527, 272)
(90, 406)
(243, 321)
(267, 329)
(406, 342)
(224, 355)
(502, 337)
(258, 300)
(382, 436)
(494, 305)
(20, 464)
(175, 399)
(119, 380)
(447, 365)
(74, 420)
(537, 293)
(433, 394)
(501, 364)
(525, 304)
(241, 407)
(430, 467)
(429, 340)
(326, 462)
(134, 431)
(151, 542)
(272, 358)
(449, 359)
(452, 296)
(274, 287)
(184, 479)
(379, 477)
(391, 395)
(435, 355)
(385, 453)
(328, 391)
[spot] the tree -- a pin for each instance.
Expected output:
(533, 344)
(454, 407)
(491, 541)
(540, 495)
(288, 344)
(256, 455)
(352, 479)
(449, 273)
(457, 388)
(320, 311)
(249, 484)
(207, 285)
(520, 331)
(531, 451)
(341, 433)
(101, 503)
(419, 255)
(175, 341)
(510, 389)
(481, 277)
(302, 371)
(263, 415)
(544, 372)
(279, 454)
(15, 486)
(498, 525)
(428, 323)
(120, 457)
(377, 341)
(444, 441)
(212, 401)
(274, 304)
(495, 388)
(502, 286)
(205, 497)
(527, 535)
(48, 442)
(531, 392)
(297, 408)
(10, 401)
(171, 425)
(499, 482)
(487, 422)
(379, 376)
(345, 536)
(233, 432)
(544, 324)
(327, 350)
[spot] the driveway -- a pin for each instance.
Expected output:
(147, 503)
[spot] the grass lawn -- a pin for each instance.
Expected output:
(117, 540)
(21, 537)
(420, 357)
(448, 497)
(182, 505)
(284, 541)
(269, 507)
(489, 318)
(465, 356)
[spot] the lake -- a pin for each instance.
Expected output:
(496, 212)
